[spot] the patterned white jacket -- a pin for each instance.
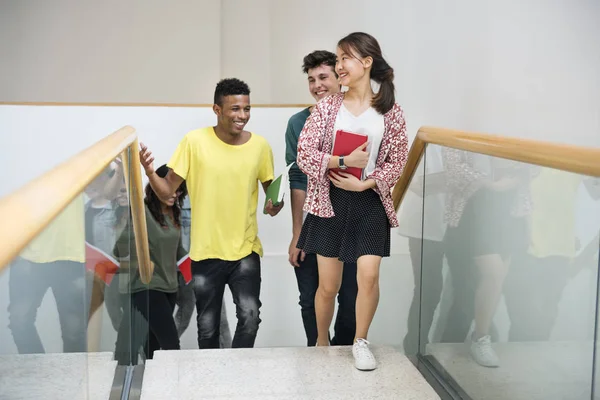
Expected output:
(314, 152)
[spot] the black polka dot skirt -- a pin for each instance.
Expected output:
(360, 227)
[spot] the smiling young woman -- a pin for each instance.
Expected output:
(349, 218)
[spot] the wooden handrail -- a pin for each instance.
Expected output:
(577, 159)
(138, 214)
(35, 205)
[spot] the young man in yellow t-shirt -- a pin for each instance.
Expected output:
(222, 166)
(534, 286)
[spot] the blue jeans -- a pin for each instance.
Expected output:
(307, 275)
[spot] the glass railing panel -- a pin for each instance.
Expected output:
(409, 242)
(119, 307)
(107, 221)
(516, 314)
(44, 305)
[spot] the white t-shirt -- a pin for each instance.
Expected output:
(369, 123)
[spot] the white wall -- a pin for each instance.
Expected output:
(246, 49)
(495, 66)
(109, 51)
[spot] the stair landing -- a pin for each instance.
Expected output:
(281, 373)
(56, 376)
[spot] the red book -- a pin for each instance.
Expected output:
(100, 263)
(345, 143)
(185, 266)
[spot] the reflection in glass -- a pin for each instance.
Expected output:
(424, 206)
(106, 214)
(488, 200)
(517, 312)
(551, 256)
(45, 315)
(53, 260)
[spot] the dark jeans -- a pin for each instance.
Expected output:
(28, 284)
(307, 275)
(532, 292)
(112, 301)
(209, 280)
(186, 303)
(426, 294)
(109, 295)
(150, 324)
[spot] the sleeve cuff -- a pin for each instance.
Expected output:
(269, 178)
(381, 184)
(298, 185)
(324, 167)
(177, 172)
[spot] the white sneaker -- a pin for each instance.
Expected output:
(482, 352)
(364, 360)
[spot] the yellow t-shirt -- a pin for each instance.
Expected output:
(63, 239)
(553, 195)
(222, 182)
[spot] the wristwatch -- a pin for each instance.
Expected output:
(341, 164)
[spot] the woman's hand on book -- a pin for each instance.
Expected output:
(358, 158)
(347, 182)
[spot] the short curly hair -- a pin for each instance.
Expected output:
(230, 87)
(318, 58)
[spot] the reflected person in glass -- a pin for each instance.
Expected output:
(534, 289)
(55, 260)
(486, 208)
(421, 219)
(105, 208)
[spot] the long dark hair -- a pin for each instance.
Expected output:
(364, 45)
(154, 203)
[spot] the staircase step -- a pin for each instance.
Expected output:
(56, 376)
(281, 373)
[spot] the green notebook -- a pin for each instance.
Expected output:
(276, 189)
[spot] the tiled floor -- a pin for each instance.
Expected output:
(281, 373)
(56, 376)
(528, 371)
